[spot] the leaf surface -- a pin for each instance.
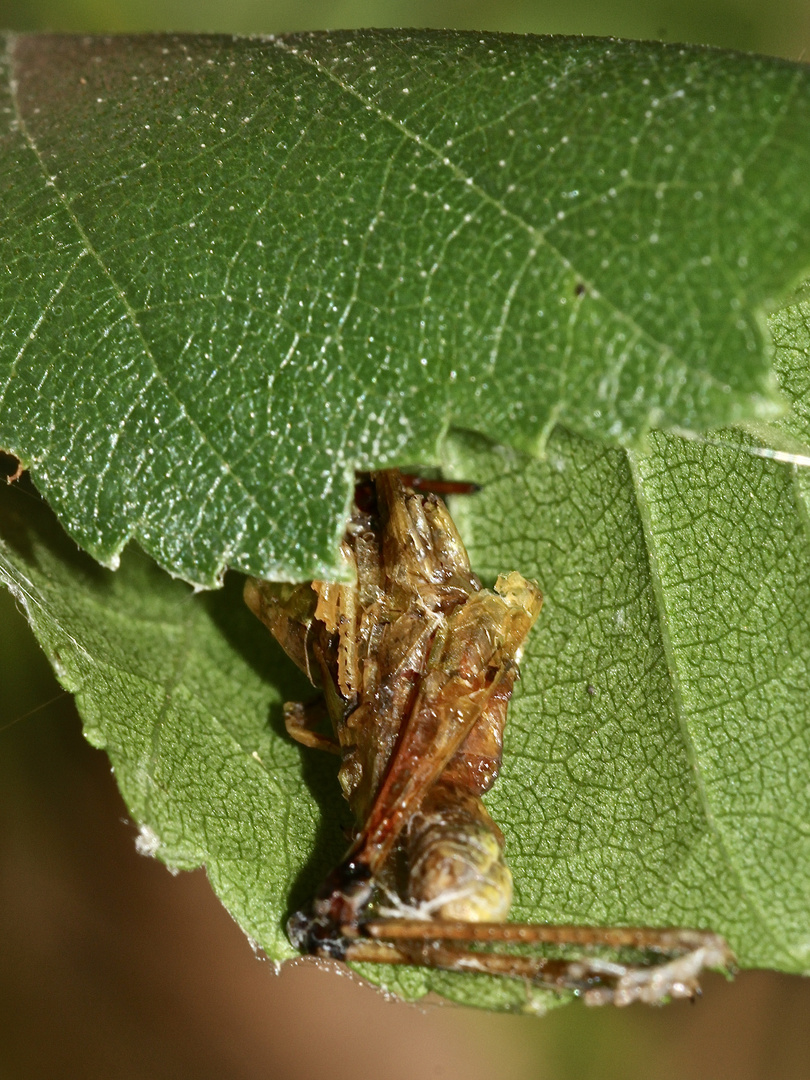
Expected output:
(658, 748)
(660, 751)
(237, 270)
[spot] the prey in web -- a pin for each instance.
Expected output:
(416, 663)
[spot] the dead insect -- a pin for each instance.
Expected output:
(416, 663)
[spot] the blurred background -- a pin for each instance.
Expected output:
(778, 27)
(111, 967)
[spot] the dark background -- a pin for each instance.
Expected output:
(111, 967)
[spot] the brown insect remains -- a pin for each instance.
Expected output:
(416, 664)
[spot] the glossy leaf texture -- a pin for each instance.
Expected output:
(657, 756)
(236, 270)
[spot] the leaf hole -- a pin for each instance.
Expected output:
(11, 468)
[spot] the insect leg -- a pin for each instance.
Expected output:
(302, 723)
(598, 981)
(666, 939)
(437, 486)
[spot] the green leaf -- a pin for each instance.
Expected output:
(237, 270)
(657, 763)
(174, 686)
(657, 756)
(660, 752)
(790, 327)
